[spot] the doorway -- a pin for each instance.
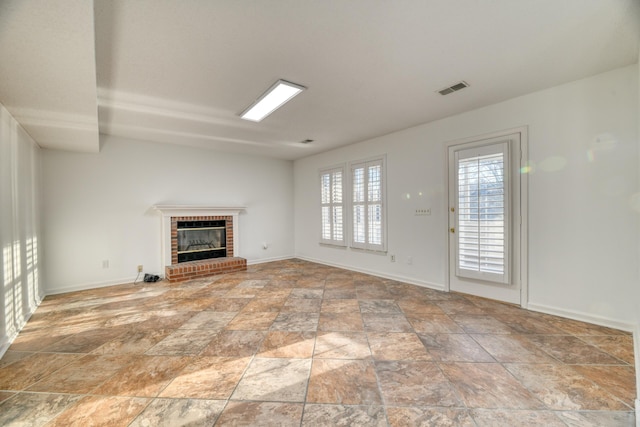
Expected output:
(487, 216)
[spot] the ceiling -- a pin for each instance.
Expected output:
(180, 71)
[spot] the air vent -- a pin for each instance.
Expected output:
(456, 87)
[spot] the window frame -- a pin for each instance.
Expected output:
(331, 205)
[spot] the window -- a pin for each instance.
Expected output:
(368, 220)
(332, 202)
(483, 219)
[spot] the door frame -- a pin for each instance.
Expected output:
(524, 205)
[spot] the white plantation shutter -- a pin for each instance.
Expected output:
(482, 207)
(332, 207)
(368, 220)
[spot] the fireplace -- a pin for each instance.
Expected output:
(199, 241)
(196, 238)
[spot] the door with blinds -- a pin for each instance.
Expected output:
(484, 218)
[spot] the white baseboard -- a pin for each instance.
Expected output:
(583, 317)
(87, 286)
(399, 278)
(265, 260)
(95, 285)
(7, 340)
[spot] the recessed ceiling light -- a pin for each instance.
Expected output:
(276, 96)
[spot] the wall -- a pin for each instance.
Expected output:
(19, 228)
(636, 335)
(98, 207)
(583, 248)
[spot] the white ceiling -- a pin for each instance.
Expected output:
(180, 71)
(48, 72)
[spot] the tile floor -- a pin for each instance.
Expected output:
(297, 343)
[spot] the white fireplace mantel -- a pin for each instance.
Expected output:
(168, 211)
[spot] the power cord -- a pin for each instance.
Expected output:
(153, 278)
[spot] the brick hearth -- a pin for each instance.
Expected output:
(177, 272)
(205, 267)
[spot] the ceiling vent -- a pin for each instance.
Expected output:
(456, 87)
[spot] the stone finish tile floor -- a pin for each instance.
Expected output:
(302, 344)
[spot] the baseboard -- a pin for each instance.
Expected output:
(265, 260)
(7, 340)
(397, 277)
(88, 286)
(583, 317)
(95, 285)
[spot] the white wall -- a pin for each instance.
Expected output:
(636, 335)
(583, 233)
(19, 228)
(98, 207)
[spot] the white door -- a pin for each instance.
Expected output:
(485, 218)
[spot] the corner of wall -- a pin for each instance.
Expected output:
(20, 228)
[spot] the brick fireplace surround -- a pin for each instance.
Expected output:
(178, 272)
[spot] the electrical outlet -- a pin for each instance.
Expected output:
(105, 263)
(409, 260)
(393, 258)
(140, 268)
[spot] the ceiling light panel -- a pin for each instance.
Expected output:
(277, 95)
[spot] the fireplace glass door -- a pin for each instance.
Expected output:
(198, 240)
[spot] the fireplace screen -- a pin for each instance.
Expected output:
(201, 240)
